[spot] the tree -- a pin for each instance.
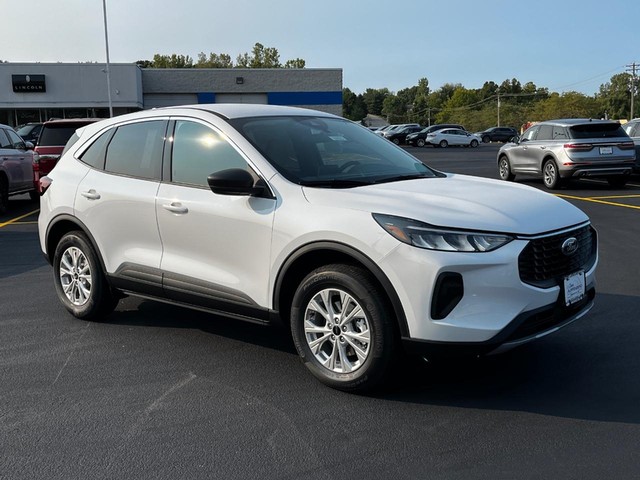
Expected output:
(374, 99)
(353, 106)
(145, 63)
(260, 57)
(172, 61)
(615, 96)
(214, 60)
(295, 63)
(567, 105)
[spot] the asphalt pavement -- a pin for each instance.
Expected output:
(157, 391)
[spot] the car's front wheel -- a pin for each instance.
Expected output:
(474, 143)
(504, 169)
(342, 328)
(420, 142)
(79, 280)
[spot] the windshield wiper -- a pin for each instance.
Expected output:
(335, 183)
(410, 176)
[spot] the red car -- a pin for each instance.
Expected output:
(54, 136)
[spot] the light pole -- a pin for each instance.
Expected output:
(498, 108)
(107, 71)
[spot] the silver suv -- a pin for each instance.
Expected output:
(633, 130)
(558, 150)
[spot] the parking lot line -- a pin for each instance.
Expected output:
(616, 196)
(17, 219)
(597, 200)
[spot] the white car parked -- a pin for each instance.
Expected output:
(452, 136)
(278, 214)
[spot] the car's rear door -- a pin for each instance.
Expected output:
(116, 201)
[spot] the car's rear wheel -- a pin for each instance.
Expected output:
(504, 169)
(420, 142)
(618, 181)
(474, 143)
(79, 279)
(4, 194)
(342, 327)
(550, 175)
(443, 144)
(486, 139)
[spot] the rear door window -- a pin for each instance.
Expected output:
(136, 150)
(4, 140)
(545, 132)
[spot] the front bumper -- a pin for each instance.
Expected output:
(525, 328)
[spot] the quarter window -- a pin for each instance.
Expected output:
(95, 154)
(199, 151)
(136, 150)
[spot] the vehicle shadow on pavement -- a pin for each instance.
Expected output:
(19, 252)
(588, 371)
(146, 313)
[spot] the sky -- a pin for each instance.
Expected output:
(563, 45)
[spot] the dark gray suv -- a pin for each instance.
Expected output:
(558, 150)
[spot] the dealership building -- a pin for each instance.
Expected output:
(35, 92)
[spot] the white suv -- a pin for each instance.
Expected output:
(277, 214)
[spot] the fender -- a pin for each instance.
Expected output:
(356, 255)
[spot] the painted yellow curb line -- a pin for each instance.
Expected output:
(594, 200)
(14, 220)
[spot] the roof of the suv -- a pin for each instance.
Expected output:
(242, 110)
(568, 122)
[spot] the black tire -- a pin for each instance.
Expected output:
(504, 169)
(85, 271)
(335, 341)
(474, 144)
(34, 196)
(443, 144)
(619, 181)
(486, 139)
(550, 175)
(420, 142)
(4, 194)
(396, 141)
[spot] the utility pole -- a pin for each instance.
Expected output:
(498, 92)
(633, 68)
(107, 70)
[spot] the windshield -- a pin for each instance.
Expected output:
(329, 152)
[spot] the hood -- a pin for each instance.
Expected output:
(458, 201)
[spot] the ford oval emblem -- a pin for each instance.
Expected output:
(570, 246)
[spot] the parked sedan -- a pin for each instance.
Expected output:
(452, 136)
(399, 135)
(418, 138)
(497, 134)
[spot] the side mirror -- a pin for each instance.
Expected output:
(236, 181)
(29, 145)
(516, 139)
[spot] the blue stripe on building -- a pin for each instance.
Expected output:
(206, 97)
(304, 98)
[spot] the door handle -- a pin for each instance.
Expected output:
(91, 194)
(175, 207)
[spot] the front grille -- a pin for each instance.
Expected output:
(543, 264)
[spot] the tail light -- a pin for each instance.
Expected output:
(36, 162)
(580, 147)
(45, 183)
(626, 146)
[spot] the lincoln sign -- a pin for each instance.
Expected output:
(28, 83)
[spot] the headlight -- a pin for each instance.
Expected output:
(423, 235)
